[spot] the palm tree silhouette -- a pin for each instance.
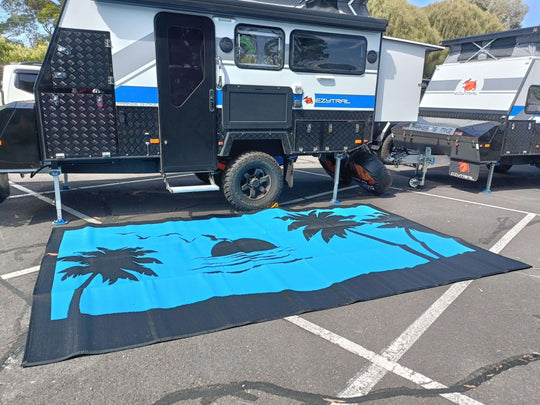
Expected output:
(331, 225)
(112, 265)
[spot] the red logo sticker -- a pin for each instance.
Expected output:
(469, 85)
(464, 167)
(308, 100)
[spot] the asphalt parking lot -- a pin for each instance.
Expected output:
(469, 343)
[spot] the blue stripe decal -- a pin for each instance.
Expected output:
(516, 110)
(344, 101)
(219, 98)
(132, 94)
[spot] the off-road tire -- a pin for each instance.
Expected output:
(4, 186)
(328, 163)
(386, 148)
(370, 173)
(252, 181)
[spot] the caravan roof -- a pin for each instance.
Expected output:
(505, 44)
(338, 13)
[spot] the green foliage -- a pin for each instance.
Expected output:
(10, 52)
(509, 12)
(404, 20)
(459, 18)
(29, 21)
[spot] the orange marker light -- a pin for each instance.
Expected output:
(154, 141)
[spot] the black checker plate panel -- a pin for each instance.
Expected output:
(518, 138)
(76, 125)
(136, 125)
(308, 136)
(535, 145)
(83, 60)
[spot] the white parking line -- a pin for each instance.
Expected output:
(20, 273)
(49, 201)
(118, 183)
(379, 360)
(370, 375)
(472, 202)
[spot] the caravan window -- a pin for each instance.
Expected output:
(328, 53)
(259, 47)
(533, 100)
(25, 80)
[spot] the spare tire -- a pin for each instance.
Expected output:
(328, 163)
(366, 169)
(4, 186)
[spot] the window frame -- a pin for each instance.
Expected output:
(18, 83)
(258, 66)
(360, 38)
(527, 104)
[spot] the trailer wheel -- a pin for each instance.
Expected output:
(328, 163)
(502, 168)
(4, 186)
(414, 182)
(371, 174)
(253, 181)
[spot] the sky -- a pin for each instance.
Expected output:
(531, 19)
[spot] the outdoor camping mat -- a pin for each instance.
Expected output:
(105, 288)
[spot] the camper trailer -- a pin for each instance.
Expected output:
(230, 90)
(482, 106)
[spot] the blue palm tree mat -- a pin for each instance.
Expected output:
(105, 288)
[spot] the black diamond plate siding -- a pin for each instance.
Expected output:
(317, 131)
(518, 138)
(82, 60)
(136, 126)
(535, 145)
(79, 125)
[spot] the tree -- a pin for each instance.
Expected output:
(29, 21)
(112, 265)
(10, 52)
(459, 18)
(404, 20)
(509, 12)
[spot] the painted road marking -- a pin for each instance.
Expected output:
(64, 207)
(473, 202)
(20, 273)
(118, 183)
(379, 360)
(371, 375)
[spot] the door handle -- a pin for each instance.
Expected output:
(211, 100)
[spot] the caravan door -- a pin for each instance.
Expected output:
(185, 62)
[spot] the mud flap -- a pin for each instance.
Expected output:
(464, 170)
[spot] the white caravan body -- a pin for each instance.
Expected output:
(482, 105)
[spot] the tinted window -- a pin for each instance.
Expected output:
(533, 100)
(329, 53)
(25, 80)
(186, 66)
(259, 47)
